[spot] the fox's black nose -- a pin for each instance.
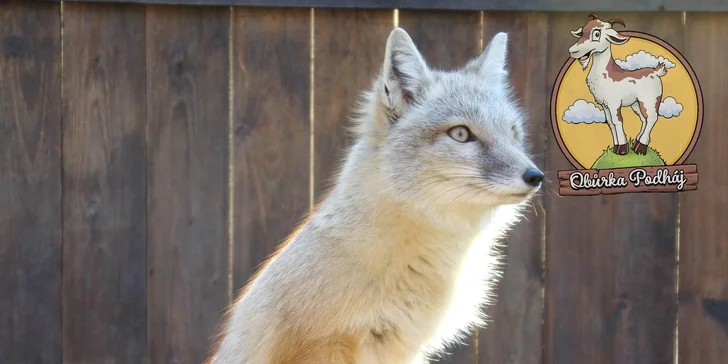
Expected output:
(533, 177)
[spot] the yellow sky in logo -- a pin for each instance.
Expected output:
(670, 136)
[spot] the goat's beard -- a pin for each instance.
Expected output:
(584, 63)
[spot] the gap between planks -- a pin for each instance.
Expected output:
(676, 335)
(311, 112)
(60, 143)
(231, 158)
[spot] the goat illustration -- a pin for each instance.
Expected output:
(614, 87)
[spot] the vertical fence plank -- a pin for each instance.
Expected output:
(610, 260)
(271, 150)
(104, 187)
(447, 40)
(187, 98)
(513, 334)
(703, 317)
(349, 51)
(30, 183)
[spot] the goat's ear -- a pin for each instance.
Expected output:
(404, 73)
(614, 37)
(577, 33)
(492, 62)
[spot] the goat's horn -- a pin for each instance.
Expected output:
(616, 21)
(593, 16)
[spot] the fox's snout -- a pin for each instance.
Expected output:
(533, 177)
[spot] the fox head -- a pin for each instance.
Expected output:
(450, 138)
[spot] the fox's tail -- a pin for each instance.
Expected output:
(660, 70)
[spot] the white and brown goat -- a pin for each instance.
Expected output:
(614, 87)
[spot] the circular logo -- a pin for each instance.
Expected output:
(625, 99)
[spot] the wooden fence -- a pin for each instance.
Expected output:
(152, 155)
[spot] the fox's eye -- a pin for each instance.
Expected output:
(460, 134)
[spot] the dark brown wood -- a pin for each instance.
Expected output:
(703, 315)
(104, 185)
(522, 5)
(349, 51)
(513, 334)
(188, 241)
(447, 41)
(272, 131)
(610, 260)
(566, 190)
(30, 183)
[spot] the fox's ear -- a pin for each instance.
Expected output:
(404, 73)
(492, 62)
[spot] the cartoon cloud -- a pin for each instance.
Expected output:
(669, 108)
(643, 59)
(582, 111)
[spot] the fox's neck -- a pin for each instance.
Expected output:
(361, 209)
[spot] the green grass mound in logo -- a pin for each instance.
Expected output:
(609, 159)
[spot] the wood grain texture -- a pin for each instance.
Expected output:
(447, 40)
(104, 184)
(187, 113)
(522, 5)
(513, 334)
(272, 131)
(349, 51)
(703, 315)
(610, 260)
(30, 183)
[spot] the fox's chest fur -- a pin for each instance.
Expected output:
(429, 290)
(397, 288)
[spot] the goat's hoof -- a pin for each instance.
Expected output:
(639, 148)
(621, 149)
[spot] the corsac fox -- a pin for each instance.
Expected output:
(396, 261)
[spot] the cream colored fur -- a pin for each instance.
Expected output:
(396, 262)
